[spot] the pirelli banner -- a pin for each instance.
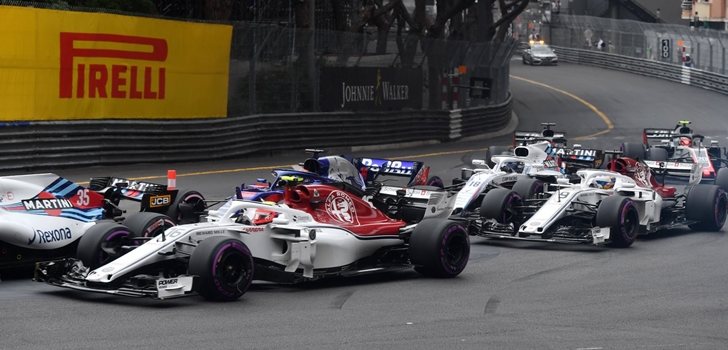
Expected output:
(61, 65)
(370, 88)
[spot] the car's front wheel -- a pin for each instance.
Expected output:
(103, 243)
(621, 216)
(224, 267)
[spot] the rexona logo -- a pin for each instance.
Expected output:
(50, 236)
(135, 80)
(55, 203)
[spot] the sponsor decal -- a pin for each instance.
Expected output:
(341, 207)
(371, 88)
(395, 167)
(160, 201)
(167, 282)
(101, 80)
(51, 203)
(50, 236)
(252, 229)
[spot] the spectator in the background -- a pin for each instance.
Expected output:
(687, 60)
(610, 47)
(600, 44)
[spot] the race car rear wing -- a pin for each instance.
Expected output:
(129, 189)
(372, 168)
(523, 138)
(572, 159)
(657, 134)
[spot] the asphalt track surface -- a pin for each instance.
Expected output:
(668, 291)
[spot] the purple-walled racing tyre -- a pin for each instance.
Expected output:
(224, 267)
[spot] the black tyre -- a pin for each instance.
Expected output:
(186, 207)
(706, 204)
(103, 243)
(721, 179)
(435, 181)
(224, 267)
(621, 216)
(439, 248)
(148, 224)
(499, 204)
(657, 154)
(527, 187)
(633, 150)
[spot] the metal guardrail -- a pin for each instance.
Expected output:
(672, 72)
(47, 145)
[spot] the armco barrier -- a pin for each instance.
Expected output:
(676, 73)
(48, 145)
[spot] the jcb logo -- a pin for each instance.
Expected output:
(159, 201)
(116, 80)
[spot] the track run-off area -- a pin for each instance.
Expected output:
(667, 291)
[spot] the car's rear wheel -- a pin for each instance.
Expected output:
(621, 216)
(721, 179)
(435, 181)
(707, 205)
(657, 154)
(103, 243)
(186, 207)
(148, 224)
(439, 248)
(224, 267)
(633, 150)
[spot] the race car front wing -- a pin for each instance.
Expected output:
(70, 273)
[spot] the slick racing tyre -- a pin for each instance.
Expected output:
(186, 207)
(435, 181)
(721, 179)
(621, 216)
(498, 204)
(148, 224)
(224, 267)
(633, 150)
(103, 243)
(657, 154)
(528, 187)
(706, 204)
(439, 248)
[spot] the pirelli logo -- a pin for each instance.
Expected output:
(137, 79)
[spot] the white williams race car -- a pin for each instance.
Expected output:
(317, 230)
(42, 216)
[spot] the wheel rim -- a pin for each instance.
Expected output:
(111, 246)
(231, 269)
(720, 210)
(629, 221)
(455, 249)
(508, 214)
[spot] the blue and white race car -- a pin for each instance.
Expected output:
(42, 216)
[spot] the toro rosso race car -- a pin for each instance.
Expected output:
(606, 206)
(43, 215)
(319, 230)
(361, 176)
(673, 152)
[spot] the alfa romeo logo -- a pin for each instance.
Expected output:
(341, 207)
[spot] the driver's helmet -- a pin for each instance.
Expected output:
(685, 141)
(512, 167)
(603, 182)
